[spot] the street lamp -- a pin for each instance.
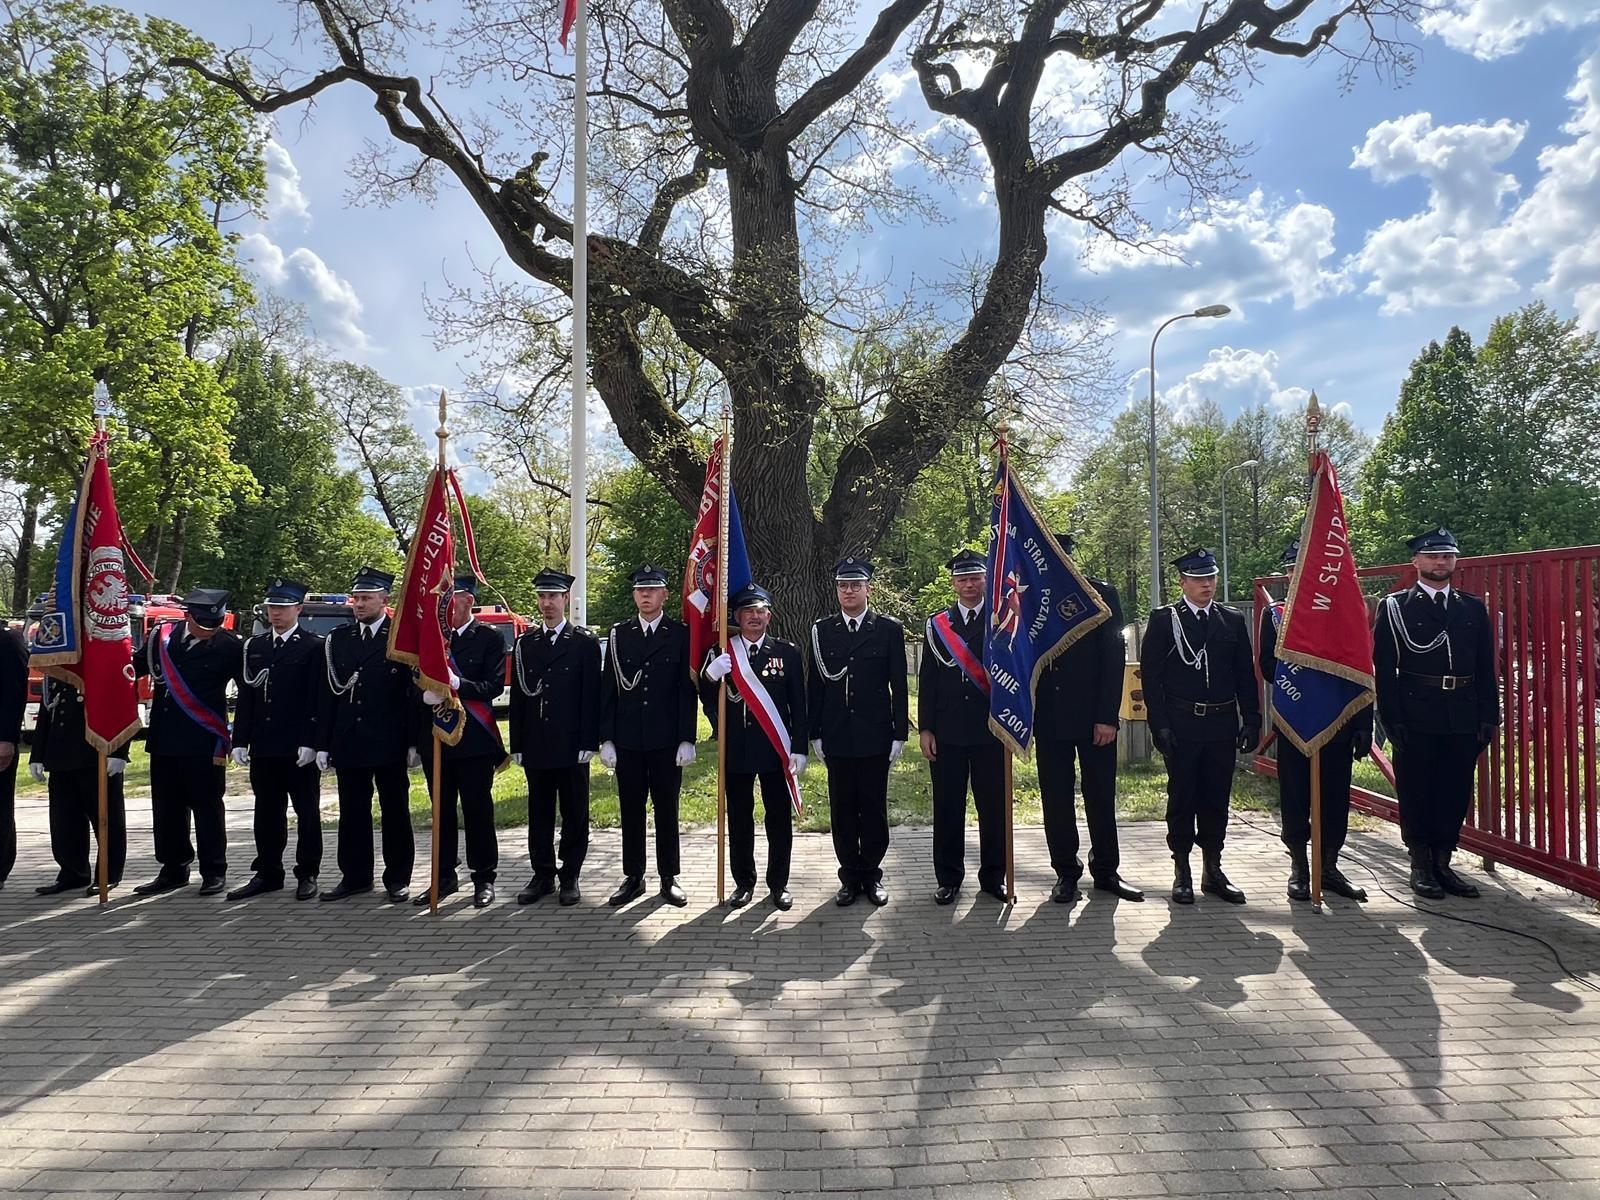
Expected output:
(1209, 310)
(1249, 462)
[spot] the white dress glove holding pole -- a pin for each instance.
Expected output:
(719, 666)
(432, 699)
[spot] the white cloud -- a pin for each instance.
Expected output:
(1493, 28)
(1233, 379)
(1439, 256)
(302, 276)
(284, 197)
(1243, 250)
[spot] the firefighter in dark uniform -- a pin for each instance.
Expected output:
(1294, 776)
(13, 703)
(1077, 712)
(647, 729)
(274, 734)
(478, 674)
(1200, 692)
(188, 740)
(555, 730)
(779, 667)
(953, 721)
(365, 723)
(857, 702)
(1439, 701)
(63, 759)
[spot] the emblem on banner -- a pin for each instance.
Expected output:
(106, 595)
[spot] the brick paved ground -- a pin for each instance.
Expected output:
(181, 1046)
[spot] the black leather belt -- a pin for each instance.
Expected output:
(1447, 683)
(1205, 710)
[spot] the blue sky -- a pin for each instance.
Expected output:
(1370, 221)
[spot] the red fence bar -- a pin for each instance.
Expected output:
(1538, 791)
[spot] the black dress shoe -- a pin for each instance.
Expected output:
(846, 895)
(998, 891)
(211, 885)
(306, 889)
(255, 887)
(161, 883)
(1335, 880)
(782, 900)
(1452, 883)
(482, 895)
(397, 895)
(344, 888)
(946, 895)
(876, 893)
(570, 894)
(447, 887)
(631, 888)
(1182, 881)
(1299, 885)
(538, 887)
(1065, 891)
(1423, 882)
(1117, 886)
(93, 889)
(1214, 883)
(741, 896)
(673, 894)
(59, 886)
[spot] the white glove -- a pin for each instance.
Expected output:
(816, 748)
(896, 749)
(797, 763)
(37, 771)
(413, 759)
(685, 754)
(584, 756)
(241, 756)
(608, 755)
(304, 756)
(432, 698)
(719, 666)
(455, 681)
(516, 760)
(322, 760)
(115, 766)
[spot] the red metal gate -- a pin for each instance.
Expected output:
(1537, 788)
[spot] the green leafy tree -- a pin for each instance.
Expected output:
(115, 169)
(377, 436)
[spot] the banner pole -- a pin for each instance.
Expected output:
(1011, 853)
(722, 642)
(1316, 831)
(443, 434)
(103, 819)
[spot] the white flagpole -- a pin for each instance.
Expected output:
(580, 321)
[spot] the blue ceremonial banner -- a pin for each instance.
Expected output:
(1038, 606)
(1310, 706)
(58, 637)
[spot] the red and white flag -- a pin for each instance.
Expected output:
(419, 636)
(569, 16)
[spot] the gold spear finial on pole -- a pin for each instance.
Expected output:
(443, 432)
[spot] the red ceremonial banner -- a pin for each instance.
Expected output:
(1325, 624)
(700, 571)
(419, 635)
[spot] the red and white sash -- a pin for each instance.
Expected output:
(759, 701)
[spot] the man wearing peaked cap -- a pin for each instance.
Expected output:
(647, 731)
(1294, 775)
(1438, 697)
(366, 716)
(780, 670)
(467, 769)
(274, 735)
(555, 730)
(190, 666)
(1077, 714)
(13, 704)
(859, 717)
(1200, 692)
(953, 726)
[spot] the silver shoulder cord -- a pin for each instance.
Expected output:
(338, 689)
(933, 645)
(822, 665)
(1186, 653)
(626, 685)
(1397, 626)
(259, 679)
(522, 683)
(49, 692)
(150, 658)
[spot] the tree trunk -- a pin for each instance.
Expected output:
(21, 592)
(180, 537)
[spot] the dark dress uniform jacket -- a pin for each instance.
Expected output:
(1410, 704)
(375, 722)
(479, 654)
(207, 667)
(782, 671)
(278, 716)
(1082, 687)
(58, 741)
(549, 728)
(948, 703)
(859, 715)
(1172, 688)
(13, 684)
(658, 712)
